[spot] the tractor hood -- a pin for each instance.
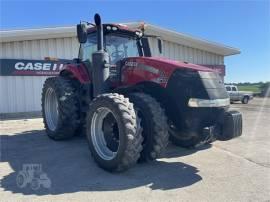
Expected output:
(157, 69)
(167, 65)
(172, 64)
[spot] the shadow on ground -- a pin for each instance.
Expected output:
(70, 167)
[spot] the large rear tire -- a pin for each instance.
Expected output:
(60, 108)
(154, 124)
(113, 132)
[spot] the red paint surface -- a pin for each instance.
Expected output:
(140, 69)
(78, 71)
(135, 74)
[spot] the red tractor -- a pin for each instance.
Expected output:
(129, 104)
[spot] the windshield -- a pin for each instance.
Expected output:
(118, 46)
(121, 46)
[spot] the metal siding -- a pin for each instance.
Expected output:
(154, 46)
(23, 93)
(180, 52)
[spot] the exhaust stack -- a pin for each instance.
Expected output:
(100, 59)
(99, 28)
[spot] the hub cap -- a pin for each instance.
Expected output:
(105, 133)
(51, 109)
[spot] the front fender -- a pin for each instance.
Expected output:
(77, 71)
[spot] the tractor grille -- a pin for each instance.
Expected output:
(186, 84)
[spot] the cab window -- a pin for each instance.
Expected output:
(228, 88)
(233, 89)
(117, 46)
(121, 46)
(88, 48)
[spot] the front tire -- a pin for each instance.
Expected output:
(188, 138)
(182, 139)
(35, 184)
(60, 108)
(113, 132)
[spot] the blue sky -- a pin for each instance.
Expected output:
(241, 24)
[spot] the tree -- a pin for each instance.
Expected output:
(265, 89)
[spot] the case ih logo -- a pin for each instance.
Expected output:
(14, 67)
(38, 66)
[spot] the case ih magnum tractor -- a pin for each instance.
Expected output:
(128, 103)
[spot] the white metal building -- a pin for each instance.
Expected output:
(23, 93)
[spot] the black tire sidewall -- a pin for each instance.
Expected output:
(147, 124)
(46, 87)
(180, 138)
(154, 124)
(68, 117)
(177, 140)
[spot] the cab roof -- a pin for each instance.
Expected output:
(119, 27)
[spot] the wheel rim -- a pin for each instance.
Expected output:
(105, 133)
(51, 109)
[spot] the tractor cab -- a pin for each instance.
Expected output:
(119, 42)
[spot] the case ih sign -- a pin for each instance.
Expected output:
(17, 67)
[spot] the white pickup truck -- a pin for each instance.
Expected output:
(235, 95)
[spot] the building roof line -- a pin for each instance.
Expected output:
(165, 34)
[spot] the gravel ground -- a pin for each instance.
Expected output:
(236, 170)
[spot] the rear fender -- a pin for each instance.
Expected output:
(77, 71)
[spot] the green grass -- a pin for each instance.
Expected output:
(253, 88)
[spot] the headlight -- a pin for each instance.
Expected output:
(195, 102)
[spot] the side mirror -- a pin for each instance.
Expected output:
(159, 45)
(82, 33)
